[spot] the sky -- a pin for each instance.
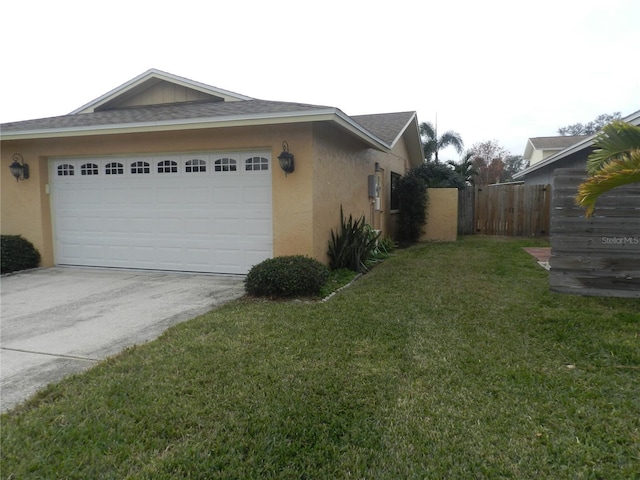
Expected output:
(489, 70)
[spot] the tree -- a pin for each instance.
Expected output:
(433, 144)
(591, 127)
(614, 162)
(512, 165)
(439, 175)
(488, 159)
(465, 170)
(412, 193)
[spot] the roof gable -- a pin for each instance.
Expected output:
(155, 87)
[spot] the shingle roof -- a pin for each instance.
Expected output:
(556, 142)
(161, 113)
(380, 131)
(385, 126)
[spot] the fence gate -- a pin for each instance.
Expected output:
(510, 210)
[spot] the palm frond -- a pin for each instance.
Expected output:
(427, 131)
(622, 171)
(430, 148)
(451, 139)
(615, 141)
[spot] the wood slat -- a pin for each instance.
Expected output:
(512, 210)
(466, 199)
(599, 255)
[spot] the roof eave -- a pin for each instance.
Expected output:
(414, 143)
(206, 122)
(359, 131)
(528, 150)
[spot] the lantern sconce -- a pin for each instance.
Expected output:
(18, 169)
(286, 159)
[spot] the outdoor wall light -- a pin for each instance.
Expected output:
(19, 170)
(286, 159)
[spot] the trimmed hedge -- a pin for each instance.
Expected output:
(287, 276)
(17, 253)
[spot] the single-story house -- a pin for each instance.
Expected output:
(574, 155)
(168, 173)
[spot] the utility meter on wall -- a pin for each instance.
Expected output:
(374, 189)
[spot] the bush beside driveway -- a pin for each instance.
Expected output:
(445, 361)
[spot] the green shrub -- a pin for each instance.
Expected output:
(17, 253)
(353, 245)
(412, 193)
(386, 244)
(288, 276)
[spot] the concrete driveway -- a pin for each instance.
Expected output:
(58, 321)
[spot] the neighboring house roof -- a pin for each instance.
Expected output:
(214, 108)
(583, 144)
(560, 142)
(550, 143)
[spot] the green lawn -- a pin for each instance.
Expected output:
(445, 361)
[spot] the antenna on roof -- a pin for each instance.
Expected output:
(436, 137)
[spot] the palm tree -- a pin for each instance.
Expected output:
(466, 169)
(614, 162)
(433, 144)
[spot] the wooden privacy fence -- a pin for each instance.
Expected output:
(511, 210)
(466, 206)
(599, 255)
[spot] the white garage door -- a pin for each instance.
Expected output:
(196, 213)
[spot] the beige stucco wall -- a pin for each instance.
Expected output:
(24, 204)
(331, 169)
(25, 207)
(341, 174)
(442, 215)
